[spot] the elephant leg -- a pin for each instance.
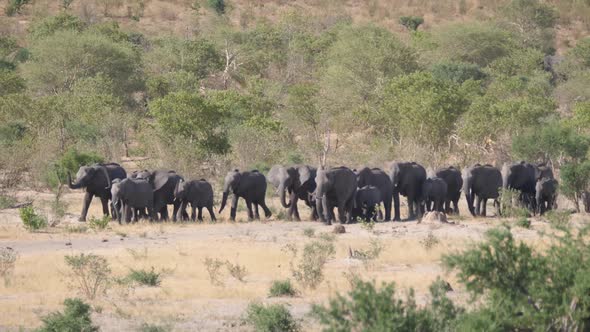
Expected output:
(211, 213)
(200, 216)
(105, 205)
(234, 208)
(267, 212)
(176, 210)
(379, 214)
(150, 211)
(396, 207)
(478, 206)
(127, 213)
(86, 204)
(387, 207)
(249, 206)
(314, 213)
(484, 205)
(256, 214)
(182, 207)
(456, 206)
(411, 210)
(294, 214)
(164, 213)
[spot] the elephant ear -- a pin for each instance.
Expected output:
(158, 179)
(275, 175)
(305, 174)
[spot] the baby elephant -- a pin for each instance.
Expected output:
(434, 194)
(546, 195)
(129, 196)
(367, 199)
(199, 194)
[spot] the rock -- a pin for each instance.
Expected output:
(339, 229)
(68, 243)
(434, 217)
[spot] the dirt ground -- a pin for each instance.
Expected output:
(186, 299)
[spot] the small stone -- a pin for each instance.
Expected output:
(339, 229)
(68, 243)
(105, 240)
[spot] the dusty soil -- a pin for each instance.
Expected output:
(186, 299)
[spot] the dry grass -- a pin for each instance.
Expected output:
(186, 293)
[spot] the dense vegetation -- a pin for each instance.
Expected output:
(255, 93)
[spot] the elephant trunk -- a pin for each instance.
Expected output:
(283, 190)
(397, 214)
(319, 201)
(106, 174)
(73, 185)
(223, 201)
(468, 194)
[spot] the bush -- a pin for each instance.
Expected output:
(558, 218)
(6, 202)
(99, 223)
(31, 220)
(90, 275)
(15, 7)
(270, 318)
(236, 270)
(524, 223)
(367, 308)
(217, 5)
(575, 178)
(152, 328)
(309, 232)
(213, 267)
(309, 270)
(69, 162)
(510, 205)
(147, 278)
(282, 288)
(411, 22)
(75, 318)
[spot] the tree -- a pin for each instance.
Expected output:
(76, 317)
(476, 43)
(457, 72)
(192, 118)
(10, 82)
(575, 179)
(533, 21)
(554, 142)
(217, 5)
(57, 65)
(421, 108)
(355, 70)
(15, 7)
(48, 26)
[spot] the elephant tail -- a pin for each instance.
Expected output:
(467, 182)
(223, 201)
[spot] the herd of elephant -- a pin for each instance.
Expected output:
(355, 193)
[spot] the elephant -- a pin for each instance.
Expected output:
(129, 196)
(546, 194)
(521, 177)
(407, 179)
(198, 193)
(96, 180)
(378, 178)
(163, 184)
(434, 194)
(543, 170)
(454, 181)
(335, 187)
(367, 199)
(481, 182)
(299, 182)
(251, 186)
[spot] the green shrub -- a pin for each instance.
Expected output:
(558, 218)
(309, 271)
(510, 205)
(282, 288)
(236, 270)
(99, 223)
(15, 6)
(367, 308)
(90, 274)
(270, 318)
(217, 5)
(75, 318)
(31, 220)
(309, 232)
(6, 202)
(69, 162)
(147, 278)
(411, 22)
(523, 222)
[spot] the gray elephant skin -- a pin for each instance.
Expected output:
(299, 182)
(199, 193)
(454, 181)
(521, 177)
(434, 194)
(367, 201)
(378, 178)
(407, 179)
(163, 184)
(336, 187)
(96, 180)
(131, 196)
(481, 183)
(251, 186)
(546, 194)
